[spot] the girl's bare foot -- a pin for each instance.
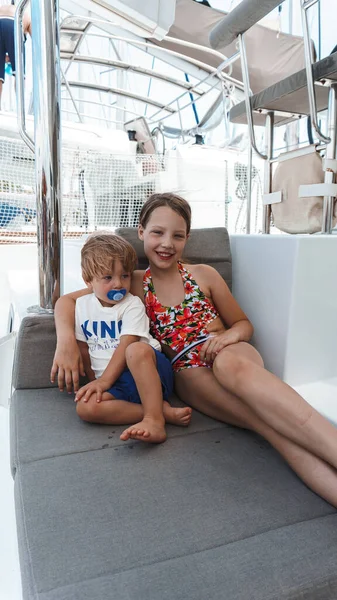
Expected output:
(177, 416)
(147, 430)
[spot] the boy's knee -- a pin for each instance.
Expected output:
(137, 352)
(88, 411)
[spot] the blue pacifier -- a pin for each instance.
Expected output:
(116, 295)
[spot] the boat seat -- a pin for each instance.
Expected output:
(213, 513)
(289, 97)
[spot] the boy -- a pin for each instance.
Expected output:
(129, 376)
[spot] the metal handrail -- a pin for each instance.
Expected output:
(209, 76)
(95, 21)
(47, 135)
(247, 93)
(20, 94)
(226, 62)
(120, 92)
(118, 64)
(305, 5)
(213, 73)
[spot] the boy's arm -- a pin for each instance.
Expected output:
(84, 350)
(67, 358)
(114, 369)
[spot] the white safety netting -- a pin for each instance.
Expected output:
(105, 191)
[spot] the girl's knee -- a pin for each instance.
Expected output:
(137, 352)
(233, 366)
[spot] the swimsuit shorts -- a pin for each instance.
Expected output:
(125, 388)
(7, 45)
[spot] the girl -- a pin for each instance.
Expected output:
(205, 333)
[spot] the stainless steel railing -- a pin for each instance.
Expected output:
(47, 142)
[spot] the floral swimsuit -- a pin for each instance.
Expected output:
(183, 327)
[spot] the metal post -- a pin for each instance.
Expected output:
(269, 139)
(47, 110)
(247, 94)
(328, 201)
(249, 188)
(305, 4)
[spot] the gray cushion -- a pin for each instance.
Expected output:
(221, 503)
(34, 352)
(44, 424)
(290, 94)
(209, 245)
(256, 569)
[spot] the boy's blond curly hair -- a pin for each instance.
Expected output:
(101, 250)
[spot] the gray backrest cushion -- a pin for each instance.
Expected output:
(210, 245)
(36, 339)
(34, 352)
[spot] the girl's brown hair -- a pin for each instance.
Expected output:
(176, 203)
(100, 252)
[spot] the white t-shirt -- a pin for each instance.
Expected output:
(101, 327)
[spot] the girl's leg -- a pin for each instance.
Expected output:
(199, 388)
(237, 370)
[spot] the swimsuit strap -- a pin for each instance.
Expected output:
(186, 275)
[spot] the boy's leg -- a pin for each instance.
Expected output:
(147, 368)
(110, 411)
(142, 364)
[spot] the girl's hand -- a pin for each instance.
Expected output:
(214, 344)
(98, 387)
(67, 365)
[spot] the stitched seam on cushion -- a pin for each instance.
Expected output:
(121, 445)
(178, 556)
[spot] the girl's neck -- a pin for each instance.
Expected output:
(161, 274)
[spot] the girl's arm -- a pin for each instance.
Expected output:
(137, 288)
(239, 329)
(67, 363)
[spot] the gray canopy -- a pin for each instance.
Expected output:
(272, 56)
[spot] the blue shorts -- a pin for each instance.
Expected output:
(126, 389)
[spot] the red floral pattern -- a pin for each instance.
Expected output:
(179, 326)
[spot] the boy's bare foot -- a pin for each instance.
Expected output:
(147, 430)
(177, 416)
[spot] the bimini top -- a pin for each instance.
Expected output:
(272, 55)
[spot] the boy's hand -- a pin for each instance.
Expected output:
(98, 387)
(68, 365)
(214, 344)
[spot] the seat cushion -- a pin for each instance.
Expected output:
(289, 95)
(209, 514)
(44, 424)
